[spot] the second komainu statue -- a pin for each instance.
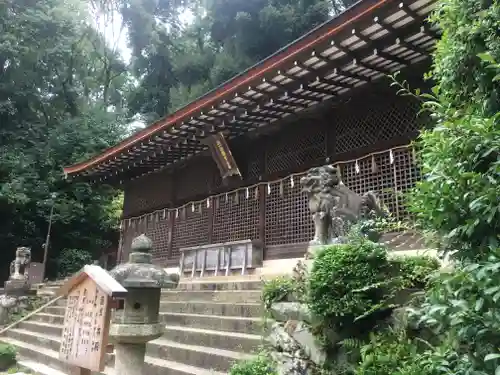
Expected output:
(335, 207)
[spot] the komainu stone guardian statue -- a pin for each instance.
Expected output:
(18, 283)
(335, 207)
(19, 266)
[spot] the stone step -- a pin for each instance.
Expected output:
(220, 323)
(163, 348)
(40, 339)
(241, 342)
(55, 310)
(229, 296)
(38, 354)
(194, 355)
(185, 335)
(235, 296)
(158, 366)
(41, 327)
(47, 318)
(221, 283)
(252, 310)
(44, 361)
(38, 368)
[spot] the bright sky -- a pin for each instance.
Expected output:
(111, 26)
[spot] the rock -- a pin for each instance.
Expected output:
(309, 345)
(284, 311)
(291, 326)
(23, 302)
(399, 318)
(7, 304)
(280, 340)
(288, 365)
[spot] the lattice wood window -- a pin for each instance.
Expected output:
(381, 181)
(193, 180)
(300, 145)
(407, 174)
(236, 218)
(288, 219)
(147, 193)
(158, 231)
(390, 180)
(374, 120)
(156, 228)
(190, 228)
(287, 214)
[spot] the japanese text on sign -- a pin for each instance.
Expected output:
(85, 326)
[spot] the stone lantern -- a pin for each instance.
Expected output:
(136, 319)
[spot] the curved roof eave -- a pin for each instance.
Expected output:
(315, 36)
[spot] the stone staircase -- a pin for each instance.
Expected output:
(209, 324)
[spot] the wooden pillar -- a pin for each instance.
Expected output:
(262, 217)
(171, 215)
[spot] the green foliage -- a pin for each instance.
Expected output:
(386, 352)
(415, 271)
(373, 228)
(469, 28)
(345, 281)
(260, 365)
(277, 290)
(73, 260)
(458, 200)
(229, 36)
(460, 156)
(461, 162)
(462, 307)
(61, 101)
(7, 356)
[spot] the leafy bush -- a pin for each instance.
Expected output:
(340, 280)
(7, 356)
(72, 260)
(260, 365)
(463, 307)
(459, 197)
(277, 290)
(374, 227)
(385, 353)
(415, 271)
(470, 27)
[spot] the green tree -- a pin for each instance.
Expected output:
(54, 97)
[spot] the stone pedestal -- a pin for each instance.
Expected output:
(17, 287)
(129, 358)
(136, 321)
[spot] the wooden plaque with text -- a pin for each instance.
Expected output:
(222, 155)
(87, 317)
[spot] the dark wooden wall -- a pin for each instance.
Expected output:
(372, 121)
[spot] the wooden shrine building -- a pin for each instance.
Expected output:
(325, 98)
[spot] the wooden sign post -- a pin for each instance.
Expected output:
(90, 295)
